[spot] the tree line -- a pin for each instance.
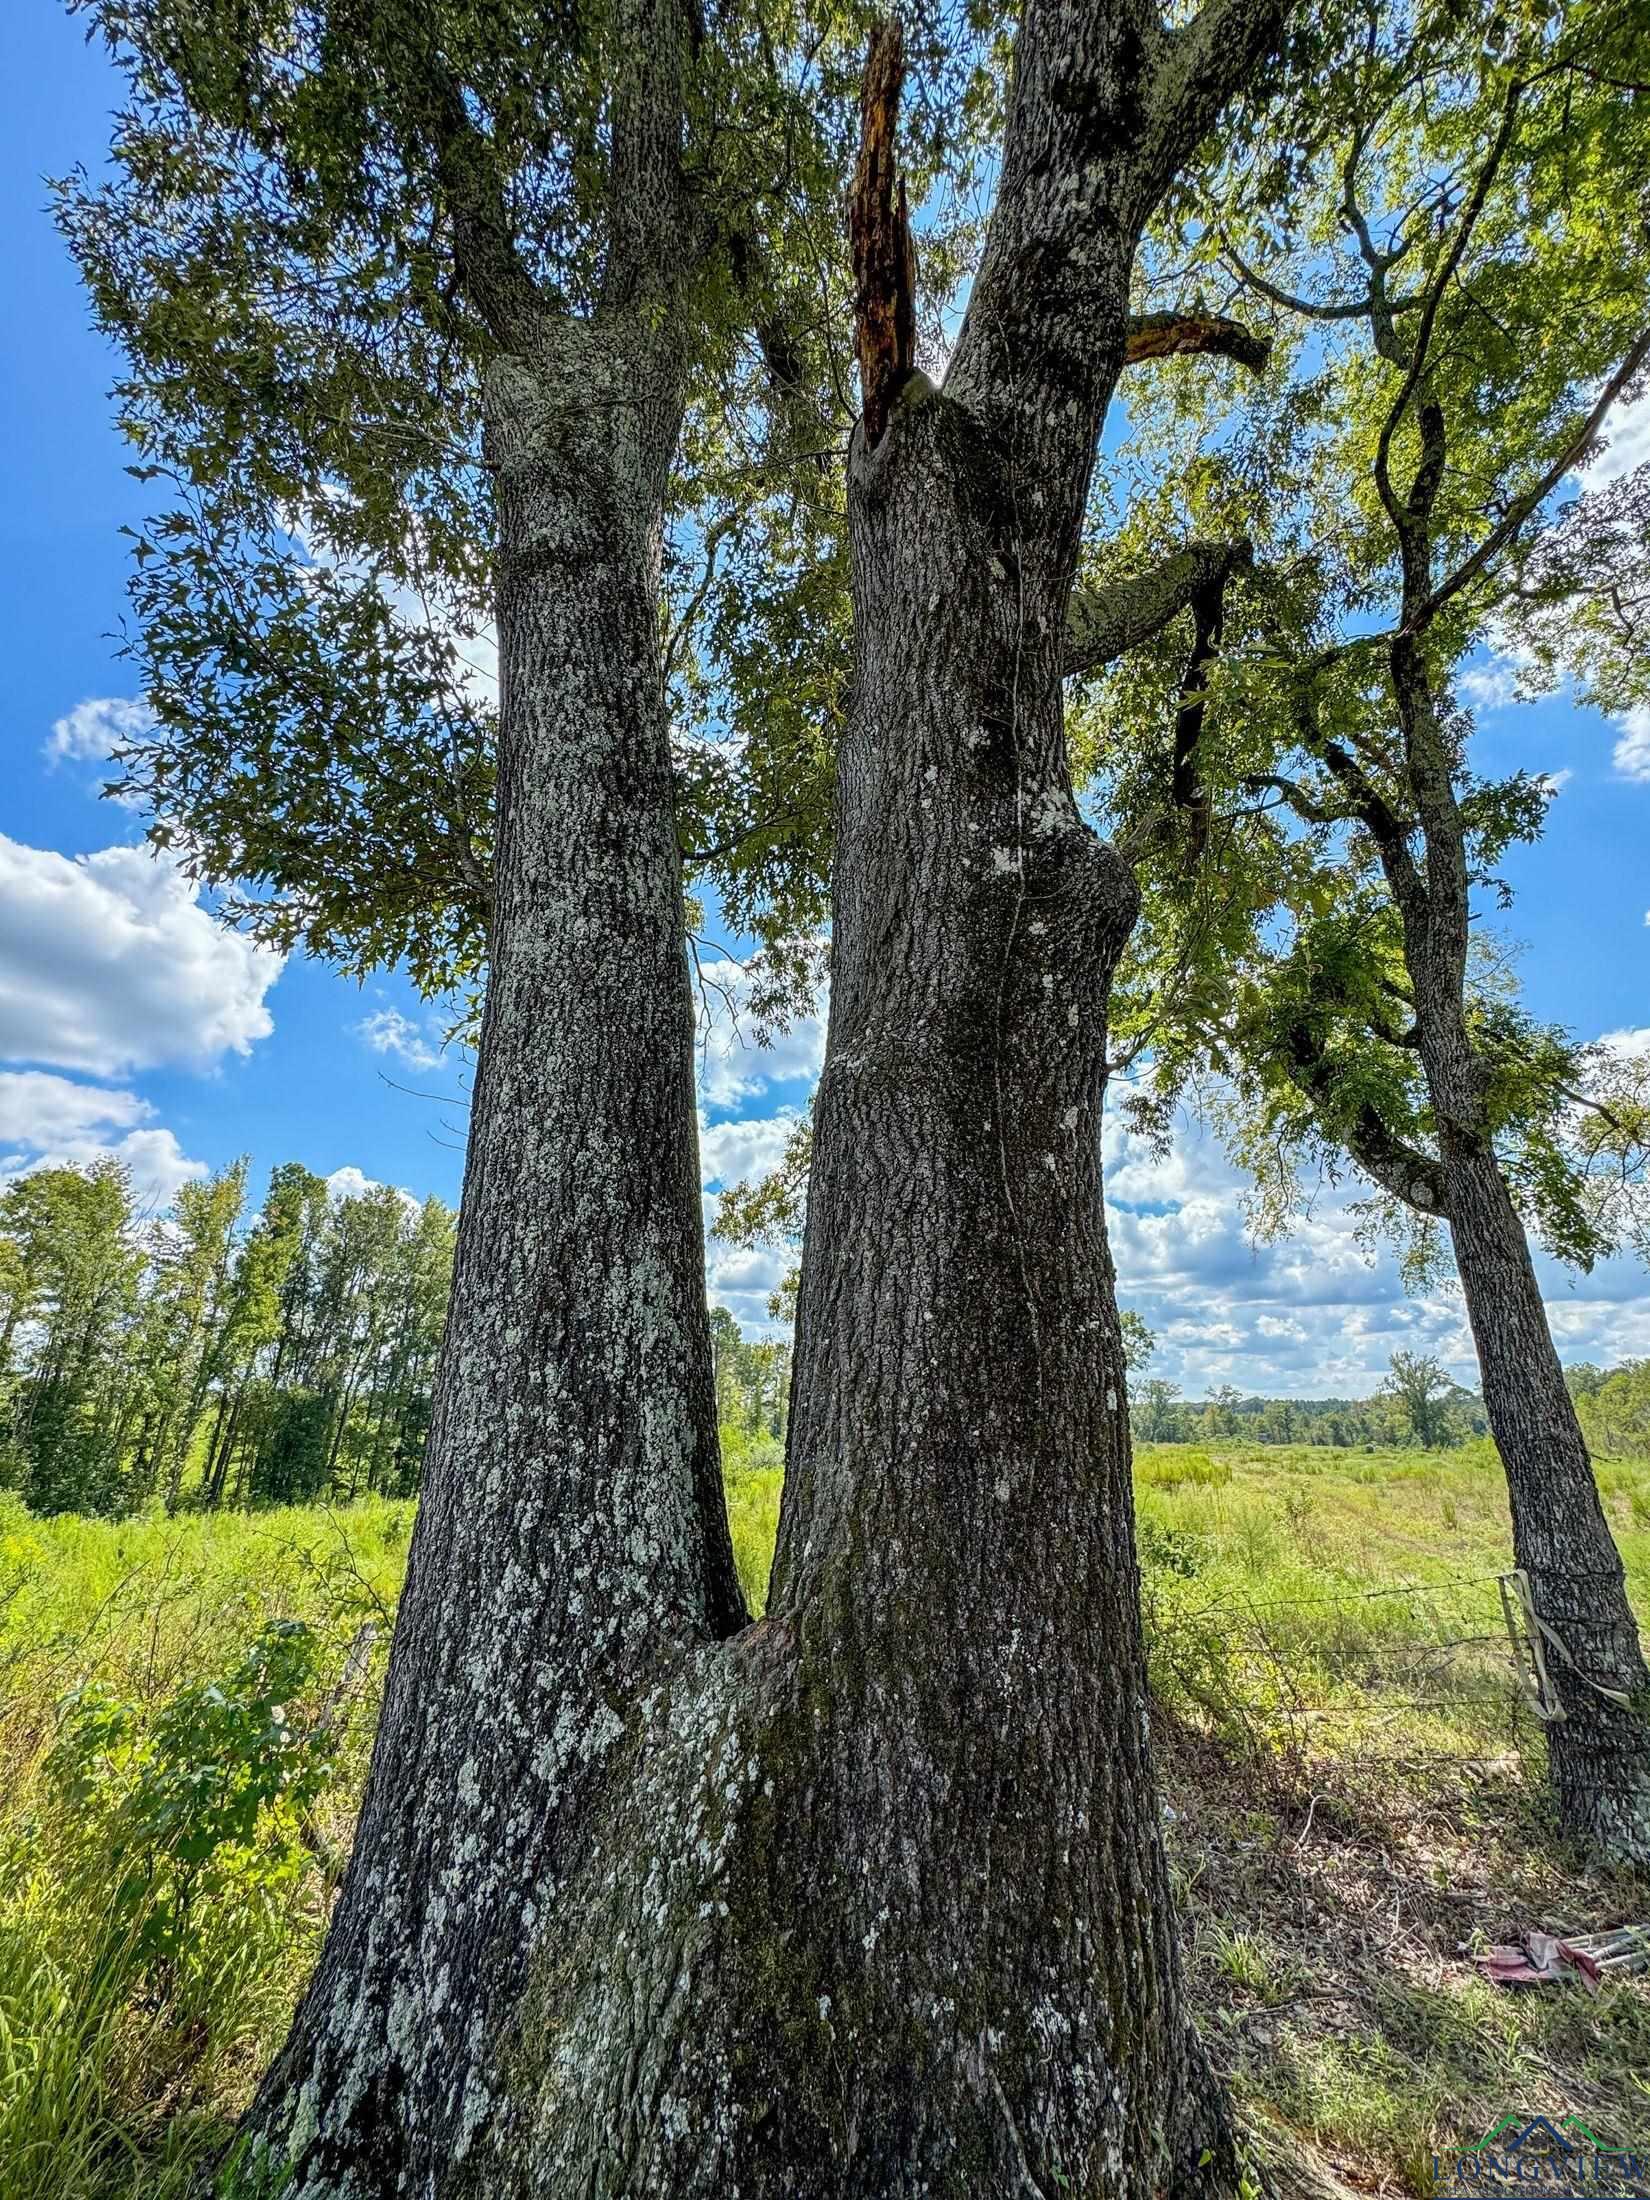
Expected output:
(1417, 1403)
(206, 1360)
(202, 1357)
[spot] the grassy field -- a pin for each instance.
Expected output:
(1352, 1805)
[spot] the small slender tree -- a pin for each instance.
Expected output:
(1462, 311)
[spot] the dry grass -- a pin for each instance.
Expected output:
(1329, 1923)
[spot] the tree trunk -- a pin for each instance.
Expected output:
(956, 1574)
(223, 1445)
(868, 1900)
(1599, 1751)
(572, 1538)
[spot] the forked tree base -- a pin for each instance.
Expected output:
(735, 1995)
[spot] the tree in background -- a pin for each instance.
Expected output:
(1419, 1384)
(185, 1306)
(75, 1265)
(1447, 271)
(254, 1317)
(1615, 1409)
(1154, 1417)
(753, 1379)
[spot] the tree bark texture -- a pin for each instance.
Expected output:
(572, 1529)
(866, 1900)
(1599, 1751)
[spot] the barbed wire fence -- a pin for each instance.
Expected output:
(1458, 1670)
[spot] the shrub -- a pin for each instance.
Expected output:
(1170, 1550)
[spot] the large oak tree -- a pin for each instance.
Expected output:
(868, 1898)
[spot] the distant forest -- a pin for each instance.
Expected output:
(211, 1357)
(204, 1359)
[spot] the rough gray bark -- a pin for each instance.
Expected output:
(868, 1900)
(1103, 624)
(571, 1527)
(1599, 1752)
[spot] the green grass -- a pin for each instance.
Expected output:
(1352, 1799)
(753, 1475)
(121, 2064)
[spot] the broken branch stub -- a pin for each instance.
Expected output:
(1180, 335)
(879, 228)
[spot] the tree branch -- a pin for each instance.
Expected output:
(1172, 335)
(647, 202)
(1429, 310)
(489, 265)
(1191, 797)
(1402, 1170)
(1330, 309)
(1103, 623)
(1104, 108)
(1201, 66)
(1534, 497)
(1302, 803)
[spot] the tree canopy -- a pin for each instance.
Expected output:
(1456, 314)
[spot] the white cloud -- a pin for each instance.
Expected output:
(387, 1031)
(1627, 445)
(1309, 1316)
(734, 1062)
(731, 1153)
(1632, 751)
(109, 962)
(744, 1281)
(1493, 685)
(350, 1182)
(49, 1122)
(94, 728)
(1551, 782)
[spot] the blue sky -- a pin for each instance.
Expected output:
(130, 1022)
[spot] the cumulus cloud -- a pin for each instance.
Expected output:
(109, 963)
(1309, 1316)
(387, 1031)
(350, 1182)
(50, 1122)
(731, 1153)
(1627, 444)
(1632, 750)
(743, 1281)
(95, 728)
(1491, 685)
(736, 1061)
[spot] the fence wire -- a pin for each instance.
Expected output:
(1403, 1671)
